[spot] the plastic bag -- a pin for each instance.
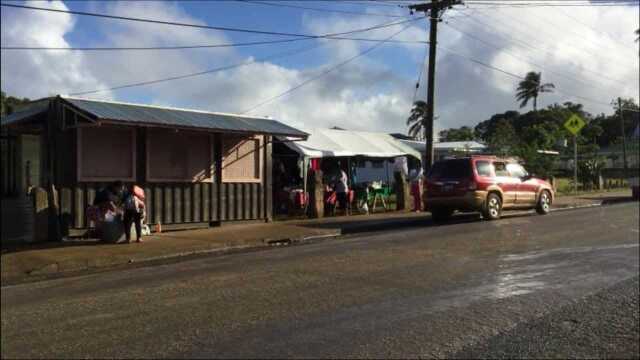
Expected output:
(109, 216)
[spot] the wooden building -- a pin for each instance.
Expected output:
(198, 168)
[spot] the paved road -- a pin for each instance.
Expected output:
(432, 292)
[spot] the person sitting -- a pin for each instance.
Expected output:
(108, 199)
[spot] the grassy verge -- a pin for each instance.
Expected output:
(564, 187)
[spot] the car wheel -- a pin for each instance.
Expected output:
(492, 207)
(544, 203)
(440, 215)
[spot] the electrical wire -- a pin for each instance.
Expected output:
(542, 20)
(205, 72)
(323, 73)
(563, 3)
(173, 23)
(597, 31)
(331, 36)
(494, 68)
(319, 9)
(528, 45)
(420, 72)
(515, 56)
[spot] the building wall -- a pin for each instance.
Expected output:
(29, 168)
(177, 205)
(199, 197)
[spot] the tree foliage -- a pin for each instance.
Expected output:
(9, 104)
(522, 134)
(417, 120)
(530, 88)
(464, 133)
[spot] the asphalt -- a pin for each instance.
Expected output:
(602, 325)
(433, 291)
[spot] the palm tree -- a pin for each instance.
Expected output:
(417, 120)
(531, 87)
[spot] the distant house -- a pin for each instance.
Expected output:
(198, 168)
(445, 149)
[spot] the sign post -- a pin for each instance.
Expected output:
(574, 124)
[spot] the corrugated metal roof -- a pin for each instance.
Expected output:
(331, 142)
(27, 112)
(165, 116)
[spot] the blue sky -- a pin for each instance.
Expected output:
(373, 92)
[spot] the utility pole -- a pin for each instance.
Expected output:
(624, 140)
(575, 164)
(434, 9)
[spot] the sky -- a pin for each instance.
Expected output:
(588, 52)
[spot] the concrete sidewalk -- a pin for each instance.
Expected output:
(37, 261)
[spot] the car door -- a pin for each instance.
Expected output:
(508, 184)
(527, 188)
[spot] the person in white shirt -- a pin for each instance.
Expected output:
(342, 191)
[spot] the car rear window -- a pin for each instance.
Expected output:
(451, 169)
(484, 168)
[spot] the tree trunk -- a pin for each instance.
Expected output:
(535, 103)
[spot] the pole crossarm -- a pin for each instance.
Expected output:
(439, 5)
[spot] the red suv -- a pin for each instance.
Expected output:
(483, 183)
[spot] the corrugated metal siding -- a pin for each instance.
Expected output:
(150, 115)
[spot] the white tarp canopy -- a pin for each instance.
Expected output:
(336, 143)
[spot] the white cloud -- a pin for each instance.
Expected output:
(35, 73)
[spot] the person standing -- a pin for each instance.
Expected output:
(416, 179)
(133, 212)
(342, 191)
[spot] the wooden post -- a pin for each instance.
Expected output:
(316, 194)
(402, 191)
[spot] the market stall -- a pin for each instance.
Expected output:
(367, 158)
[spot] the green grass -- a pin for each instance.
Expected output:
(564, 186)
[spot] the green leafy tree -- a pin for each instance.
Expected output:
(530, 88)
(589, 171)
(504, 139)
(485, 129)
(417, 120)
(463, 133)
(9, 104)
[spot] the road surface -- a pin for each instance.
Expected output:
(436, 291)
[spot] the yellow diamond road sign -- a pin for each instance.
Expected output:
(574, 124)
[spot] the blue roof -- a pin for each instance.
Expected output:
(146, 115)
(165, 116)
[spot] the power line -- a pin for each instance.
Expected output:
(517, 56)
(325, 72)
(162, 22)
(319, 9)
(564, 29)
(494, 68)
(597, 31)
(522, 43)
(420, 71)
(210, 71)
(490, 4)
(331, 36)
